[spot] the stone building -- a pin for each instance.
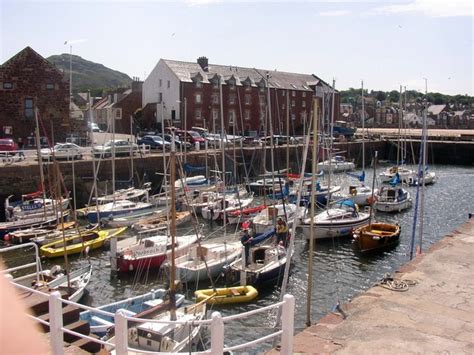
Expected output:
(187, 94)
(29, 81)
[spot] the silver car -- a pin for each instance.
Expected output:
(122, 147)
(69, 151)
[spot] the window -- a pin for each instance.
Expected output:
(198, 98)
(29, 111)
(216, 85)
(247, 115)
(198, 84)
(160, 97)
(7, 85)
(283, 93)
(292, 103)
(232, 86)
(215, 115)
(231, 99)
(248, 99)
(169, 84)
(49, 86)
(159, 83)
(293, 116)
(303, 103)
(215, 99)
(231, 117)
(283, 106)
(247, 86)
(118, 113)
(262, 115)
(197, 114)
(293, 93)
(304, 93)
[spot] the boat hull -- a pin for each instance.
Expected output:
(395, 206)
(376, 237)
(227, 295)
(332, 230)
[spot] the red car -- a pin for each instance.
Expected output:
(8, 145)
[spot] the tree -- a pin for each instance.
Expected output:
(380, 96)
(394, 96)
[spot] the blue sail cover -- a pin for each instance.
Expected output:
(193, 169)
(360, 177)
(346, 203)
(395, 180)
(262, 237)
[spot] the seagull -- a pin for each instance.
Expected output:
(399, 26)
(172, 35)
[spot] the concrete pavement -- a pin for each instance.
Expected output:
(434, 316)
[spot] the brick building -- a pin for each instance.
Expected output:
(120, 106)
(187, 94)
(28, 81)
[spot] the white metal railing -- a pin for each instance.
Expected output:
(216, 324)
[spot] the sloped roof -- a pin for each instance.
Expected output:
(27, 53)
(185, 71)
(436, 109)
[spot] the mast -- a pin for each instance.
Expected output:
(373, 189)
(173, 231)
(331, 129)
(423, 173)
(223, 136)
(40, 160)
(314, 163)
(363, 128)
(131, 148)
(94, 172)
(399, 130)
(113, 158)
(287, 129)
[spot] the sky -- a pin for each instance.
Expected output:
(384, 43)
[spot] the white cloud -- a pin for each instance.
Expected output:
(334, 13)
(430, 8)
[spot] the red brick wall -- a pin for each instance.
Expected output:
(278, 98)
(30, 73)
(129, 105)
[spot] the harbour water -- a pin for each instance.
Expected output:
(339, 272)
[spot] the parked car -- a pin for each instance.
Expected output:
(278, 140)
(191, 136)
(8, 145)
(177, 140)
(67, 151)
(122, 147)
(155, 142)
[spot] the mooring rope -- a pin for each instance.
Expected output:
(392, 284)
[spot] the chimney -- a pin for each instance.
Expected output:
(137, 85)
(204, 63)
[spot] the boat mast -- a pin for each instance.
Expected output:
(314, 163)
(113, 158)
(422, 176)
(131, 149)
(40, 161)
(331, 130)
(165, 179)
(94, 172)
(399, 130)
(173, 231)
(223, 136)
(287, 129)
(373, 189)
(363, 128)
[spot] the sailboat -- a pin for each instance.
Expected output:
(393, 198)
(376, 235)
(177, 336)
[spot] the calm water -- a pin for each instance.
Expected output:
(339, 273)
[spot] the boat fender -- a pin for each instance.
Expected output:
(6, 238)
(134, 334)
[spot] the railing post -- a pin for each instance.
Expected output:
(121, 333)
(287, 321)
(56, 323)
(217, 334)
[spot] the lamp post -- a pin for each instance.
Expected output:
(70, 75)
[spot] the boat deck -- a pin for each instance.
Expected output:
(433, 316)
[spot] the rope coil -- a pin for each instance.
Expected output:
(392, 284)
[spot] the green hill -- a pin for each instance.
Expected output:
(87, 75)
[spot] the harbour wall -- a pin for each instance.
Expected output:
(20, 178)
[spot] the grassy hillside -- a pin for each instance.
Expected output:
(87, 75)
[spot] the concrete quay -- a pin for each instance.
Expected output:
(434, 316)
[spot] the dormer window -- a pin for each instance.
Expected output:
(198, 84)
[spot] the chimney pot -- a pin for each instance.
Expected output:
(204, 63)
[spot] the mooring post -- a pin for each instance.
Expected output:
(121, 333)
(56, 323)
(217, 334)
(287, 321)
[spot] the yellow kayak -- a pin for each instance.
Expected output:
(227, 295)
(78, 243)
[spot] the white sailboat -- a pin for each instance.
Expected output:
(393, 198)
